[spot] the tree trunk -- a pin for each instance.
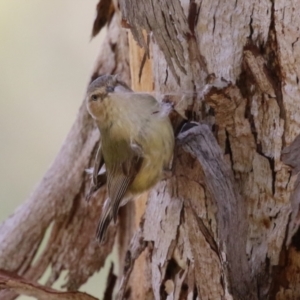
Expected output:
(225, 225)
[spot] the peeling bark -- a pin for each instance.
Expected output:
(25, 287)
(226, 224)
(251, 48)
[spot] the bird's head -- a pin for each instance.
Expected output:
(99, 95)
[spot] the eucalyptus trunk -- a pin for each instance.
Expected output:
(225, 225)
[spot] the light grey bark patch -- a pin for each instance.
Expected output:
(290, 156)
(167, 21)
(231, 211)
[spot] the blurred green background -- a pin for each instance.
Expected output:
(46, 57)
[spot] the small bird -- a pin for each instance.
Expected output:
(137, 143)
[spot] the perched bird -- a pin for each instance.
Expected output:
(137, 142)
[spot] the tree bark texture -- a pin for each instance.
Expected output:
(223, 226)
(226, 224)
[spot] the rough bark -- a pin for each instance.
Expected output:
(240, 60)
(222, 227)
(25, 287)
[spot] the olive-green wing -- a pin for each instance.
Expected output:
(118, 180)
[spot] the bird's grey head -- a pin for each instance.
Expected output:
(100, 91)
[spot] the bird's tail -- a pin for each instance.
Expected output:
(103, 224)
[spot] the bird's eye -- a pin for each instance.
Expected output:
(94, 97)
(110, 89)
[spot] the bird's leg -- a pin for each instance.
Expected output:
(98, 180)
